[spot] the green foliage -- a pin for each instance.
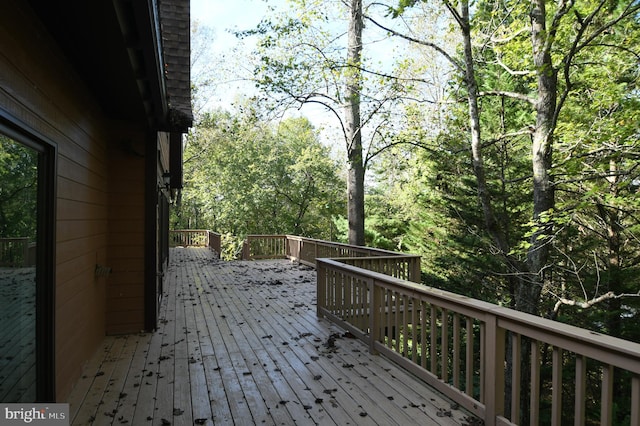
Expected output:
(594, 225)
(231, 246)
(244, 176)
(422, 196)
(298, 58)
(596, 169)
(18, 189)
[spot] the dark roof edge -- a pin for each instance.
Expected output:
(175, 17)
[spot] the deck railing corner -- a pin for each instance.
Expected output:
(195, 238)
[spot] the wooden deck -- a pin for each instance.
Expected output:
(240, 343)
(17, 334)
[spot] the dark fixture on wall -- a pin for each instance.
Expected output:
(166, 179)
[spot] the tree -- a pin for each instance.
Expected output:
(18, 189)
(565, 82)
(304, 59)
(353, 128)
(498, 28)
(245, 176)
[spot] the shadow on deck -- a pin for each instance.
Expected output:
(240, 343)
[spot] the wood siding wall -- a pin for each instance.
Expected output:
(125, 290)
(100, 201)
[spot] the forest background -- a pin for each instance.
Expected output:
(500, 141)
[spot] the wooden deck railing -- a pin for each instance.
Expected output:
(195, 238)
(264, 247)
(502, 365)
(307, 250)
(459, 345)
(16, 252)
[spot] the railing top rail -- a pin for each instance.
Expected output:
(562, 335)
(348, 246)
(395, 256)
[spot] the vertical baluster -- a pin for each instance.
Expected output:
(341, 293)
(581, 390)
(534, 411)
(375, 309)
(367, 299)
(321, 284)
(355, 310)
(556, 385)
(405, 325)
(333, 292)
(389, 313)
(444, 342)
(423, 334)
(341, 296)
(516, 342)
(329, 289)
(469, 370)
(635, 400)
(606, 400)
(353, 307)
(415, 325)
(362, 305)
(433, 350)
(347, 309)
(396, 323)
(483, 357)
(456, 351)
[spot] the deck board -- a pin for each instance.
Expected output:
(239, 343)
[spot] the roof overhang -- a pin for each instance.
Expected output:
(116, 49)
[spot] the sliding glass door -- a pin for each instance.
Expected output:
(26, 268)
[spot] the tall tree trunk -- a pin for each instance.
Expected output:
(611, 217)
(355, 174)
(493, 227)
(484, 196)
(528, 295)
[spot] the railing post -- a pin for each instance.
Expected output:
(494, 371)
(287, 247)
(635, 395)
(245, 250)
(315, 252)
(416, 270)
(375, 303)
(321, 287)
(25, 252)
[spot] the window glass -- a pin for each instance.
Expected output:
(18, 237)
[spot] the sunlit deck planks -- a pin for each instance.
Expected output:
(240, 343)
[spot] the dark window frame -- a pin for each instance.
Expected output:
(45, 250)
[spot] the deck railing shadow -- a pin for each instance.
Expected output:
(485, 357)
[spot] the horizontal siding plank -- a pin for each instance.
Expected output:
(72, 249)
(78, 210)
(67, 230)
